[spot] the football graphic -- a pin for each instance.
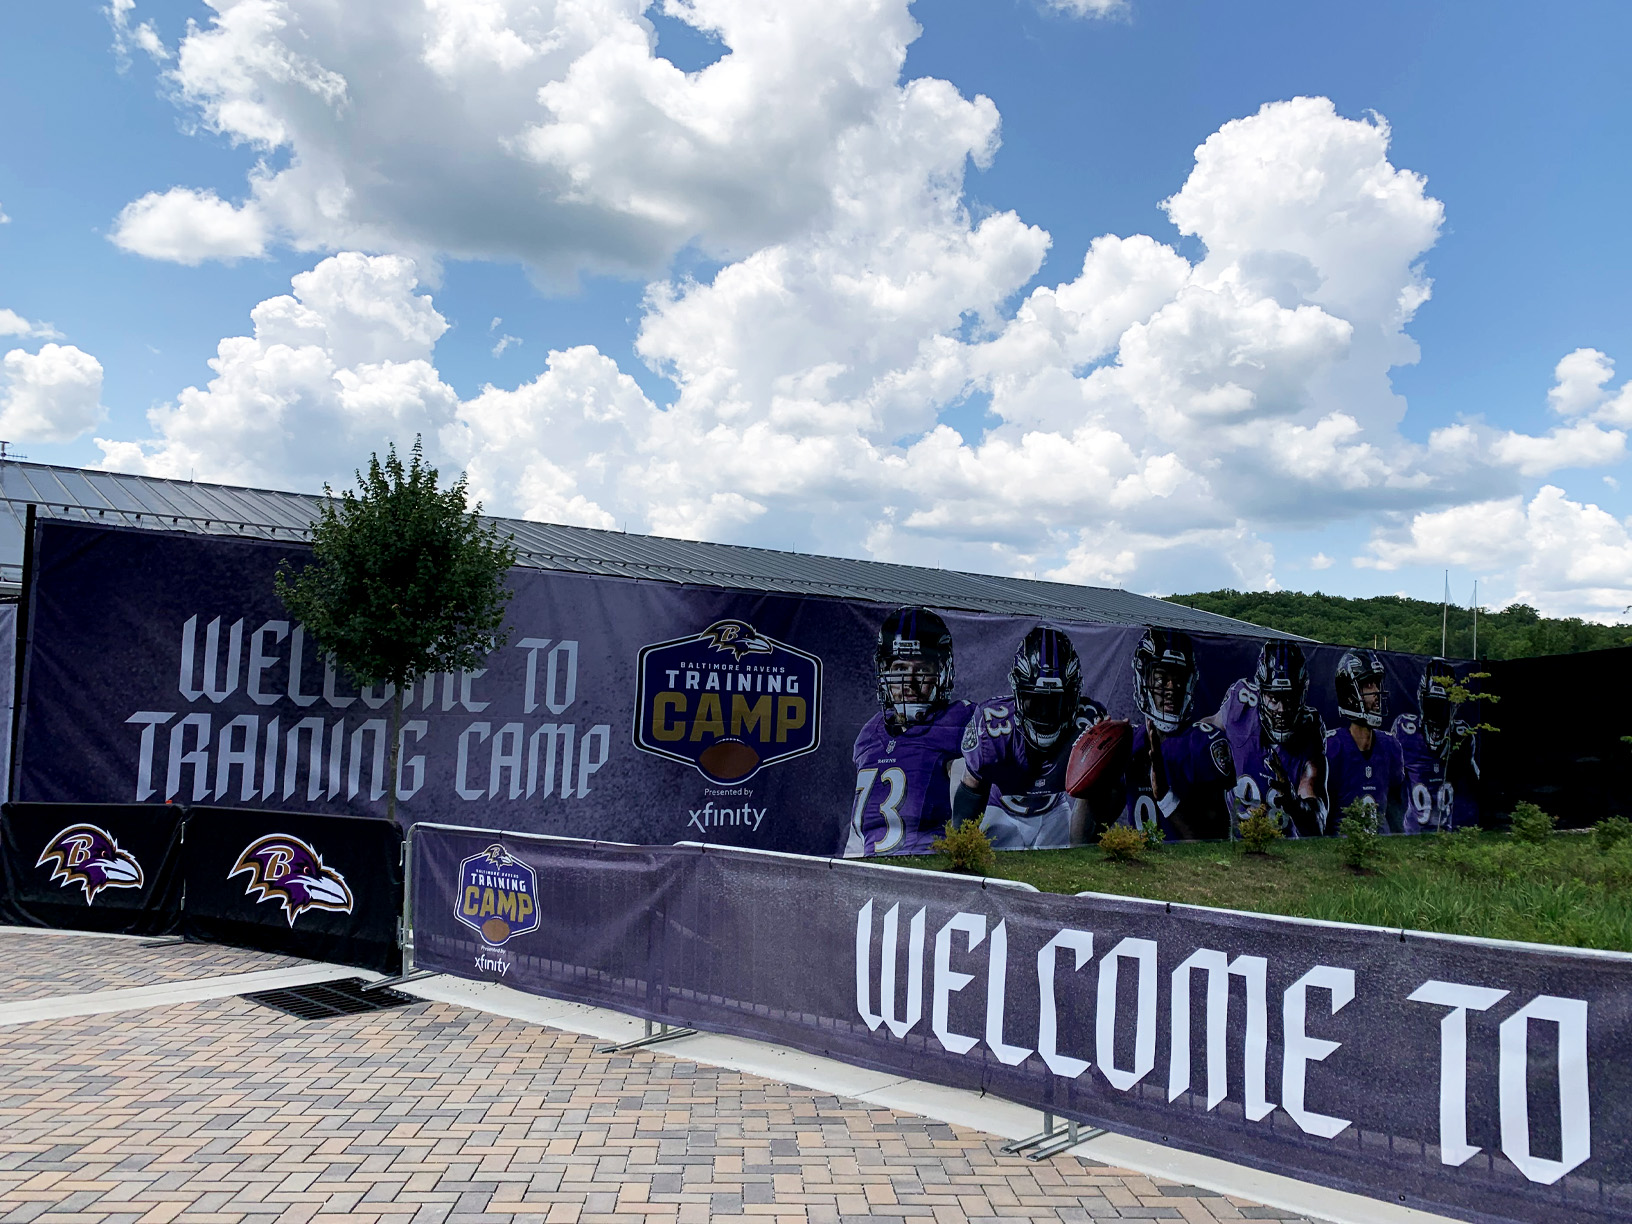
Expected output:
(728, 760)
(1096, 751)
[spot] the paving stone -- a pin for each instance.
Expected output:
(445, 1115)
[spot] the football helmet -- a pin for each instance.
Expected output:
(1047, 683)
(914, 665)
(1354, 669)
(1434, 700)
(1173, 651)
(1283, 683)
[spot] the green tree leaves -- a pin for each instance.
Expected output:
(403, 580)
(1411, 625)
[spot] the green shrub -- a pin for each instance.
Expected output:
(1360, 836)
(1258, 831)
(1121, 844)
(1154, 837)
(967, 848)
(1531, 824)
(1607, 834)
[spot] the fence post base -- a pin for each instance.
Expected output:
(663, 1033)
(413, 976)
(1052, 1139)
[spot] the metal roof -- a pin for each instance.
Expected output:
(84, 495)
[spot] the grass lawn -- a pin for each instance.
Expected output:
(1566, 890)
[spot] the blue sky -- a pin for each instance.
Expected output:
(769, 289)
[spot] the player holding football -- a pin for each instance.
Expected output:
(1016, 747)
(1441, 767)
(1277, 742)
(1364, 763)
(909, 756)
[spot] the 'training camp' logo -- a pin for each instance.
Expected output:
(728, 701)
(86, 855)
(289, 871)
(498, 895)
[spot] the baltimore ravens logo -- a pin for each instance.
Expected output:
(88, 856)
(289, 871)
(739, 637)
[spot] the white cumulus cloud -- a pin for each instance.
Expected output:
(13, 324)
(548, 131)
(1147, 419)
(140, 35)
(1147, 397)
(1564, 556)
(334, 370)
(189, 226)
(53, 395)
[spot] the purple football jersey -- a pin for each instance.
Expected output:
(1198, 771)
(1440, 793)
(1265, 772)
(1027, 806)
(1375, 778)
(903, 790)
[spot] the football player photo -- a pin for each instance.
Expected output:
(1277, 742)
(1441, 762)
(909, 756)
(1363, 762)
(1180, 772)
(1016, 748)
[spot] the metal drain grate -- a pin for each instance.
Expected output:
(322, 1000)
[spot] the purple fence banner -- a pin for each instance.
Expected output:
(161, 667)
(1487, 1081)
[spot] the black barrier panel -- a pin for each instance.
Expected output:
(327, 888)
(163, 665)
(1556, 750)
(1485, 1080)
(113, 867)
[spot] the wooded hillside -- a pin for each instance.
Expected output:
(1515, 632)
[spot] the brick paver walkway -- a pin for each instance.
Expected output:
(229, 1111)
(44, 965)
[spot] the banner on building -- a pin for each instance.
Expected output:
(162, 667)
(91, 867)
(326, 888)
(1484, 1080)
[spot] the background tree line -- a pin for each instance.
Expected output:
(1516, 632)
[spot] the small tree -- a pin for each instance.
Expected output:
(1360, 835)
(967, 848)
(1459, 693)
(403, 582)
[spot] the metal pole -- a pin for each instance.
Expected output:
(1444, 613)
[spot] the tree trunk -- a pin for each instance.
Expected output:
(396, 751)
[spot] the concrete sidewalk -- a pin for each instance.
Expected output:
(215, 1108)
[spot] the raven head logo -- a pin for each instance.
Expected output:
(88, 856)
(739, 637)
(287, 870)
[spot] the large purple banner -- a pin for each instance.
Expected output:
(161, 667)
(1487, 1081)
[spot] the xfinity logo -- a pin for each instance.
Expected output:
(708, 816)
